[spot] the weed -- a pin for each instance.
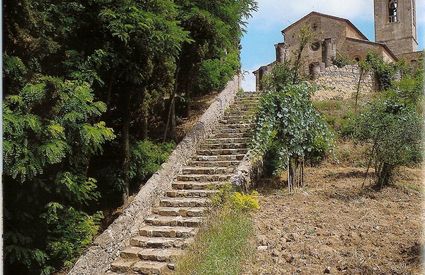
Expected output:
(223, 244)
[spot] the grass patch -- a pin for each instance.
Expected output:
(224, 243)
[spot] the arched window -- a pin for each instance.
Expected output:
(393, 11)
(315, 46)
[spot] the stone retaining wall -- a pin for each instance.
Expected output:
(248, 172)
(341, 83)
(106, 247)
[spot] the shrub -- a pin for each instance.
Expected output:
(393, 131)
(288, 124)
(385, 72)
(245, 202)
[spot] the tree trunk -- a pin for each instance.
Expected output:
(295, 173)
(144, 119)
(110, 86)
(384, 175)
(171, 117)
(291, 174)
(145, 122)
(358, 89)
(297, 65)
(126, 147)
(173, 129)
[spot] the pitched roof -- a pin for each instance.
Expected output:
(376, 44)
(348, 22)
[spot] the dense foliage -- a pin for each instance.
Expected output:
(87, 85)
(288, 127)
(288, 122)
(392, 123)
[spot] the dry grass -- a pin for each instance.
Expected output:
(336, 223)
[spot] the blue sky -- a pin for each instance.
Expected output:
(264, 28)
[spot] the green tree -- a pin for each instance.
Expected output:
(288, 124)
(62, 59)
(392, 123)
(393, 131)
(51, 130)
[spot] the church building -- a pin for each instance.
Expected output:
(335, 37)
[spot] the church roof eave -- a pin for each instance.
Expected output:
(348, 22)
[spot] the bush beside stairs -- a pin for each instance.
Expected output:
(175, 222)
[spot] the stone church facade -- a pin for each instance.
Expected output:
(335, 37)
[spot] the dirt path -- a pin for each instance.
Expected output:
(335, 227)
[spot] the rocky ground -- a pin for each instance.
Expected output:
(335, 226)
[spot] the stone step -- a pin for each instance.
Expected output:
(215, 152)
(238, 157)
(151, 267)
(240, 100)
(243, 108)
(212, 163)
(180, 211)
(158, 220)
(208, 146)
(224, 129)
(232, 135)
(158, 242)
(236, 125)
(188, 185)
(204, 178)
(237, 120)
(244, 117)
(191, 193)
(123, 265)
(168, 231)
(236, 111)
(226, 140)
(160, 255)
(206, 170)
(239, 113)
(184, 202)
(150, 254)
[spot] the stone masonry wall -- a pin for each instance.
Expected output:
(105, 248)
(341, 83)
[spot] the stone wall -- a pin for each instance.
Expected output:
(341, 83)
(106, 247)
(248, 172)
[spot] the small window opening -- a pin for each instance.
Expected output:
(393, 11)
(315, 46)
(314, 27)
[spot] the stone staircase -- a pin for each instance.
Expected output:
(176, 220)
